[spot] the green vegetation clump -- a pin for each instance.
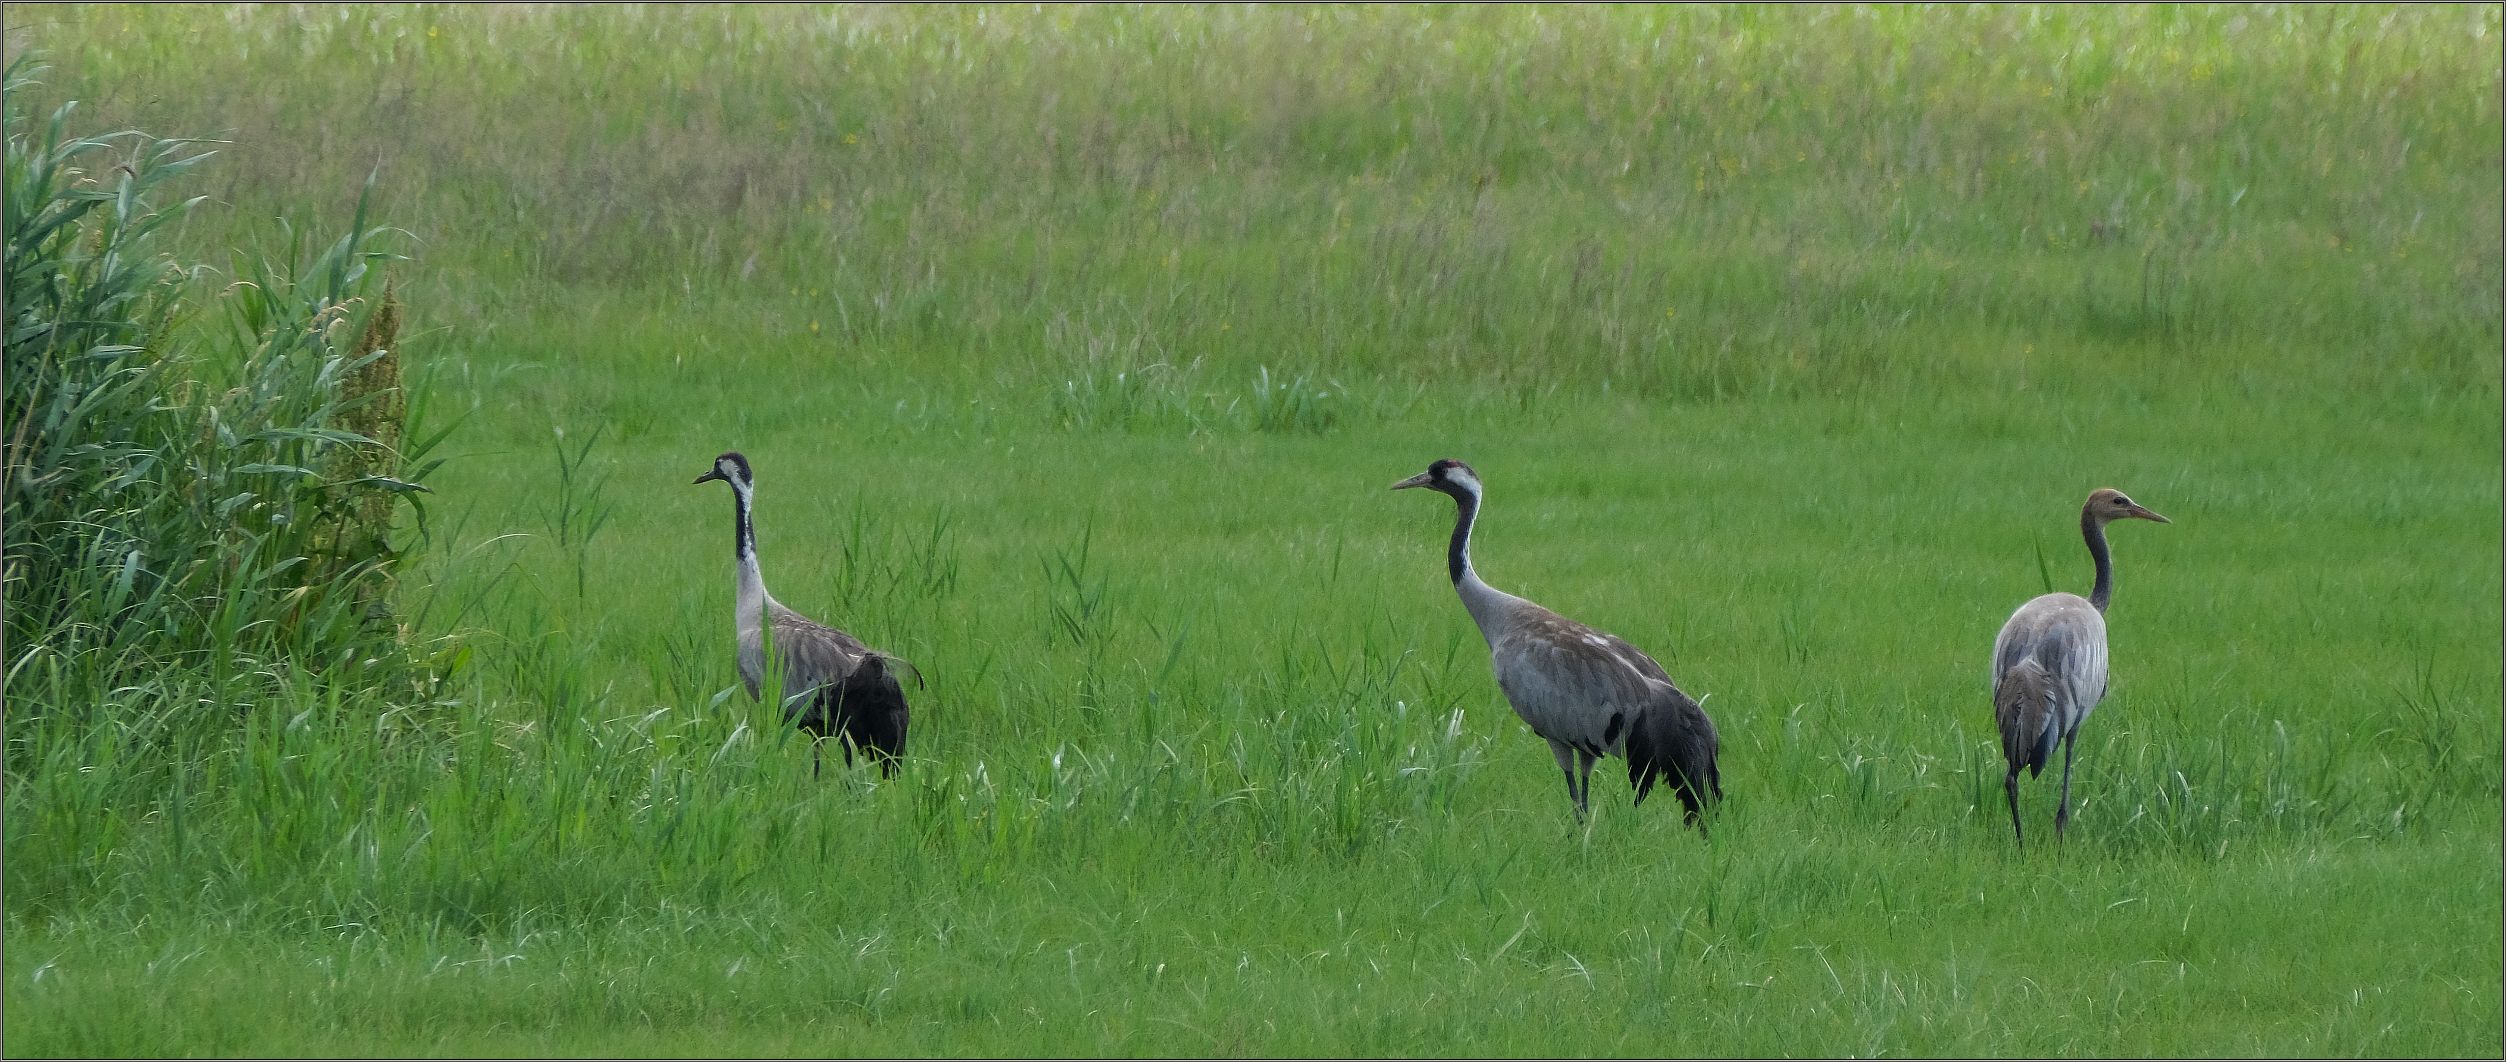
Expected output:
(1074, 348)
(200, 482)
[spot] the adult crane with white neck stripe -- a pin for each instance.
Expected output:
(1588, 693)
(833, 685)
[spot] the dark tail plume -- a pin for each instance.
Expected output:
(1675, 742)
(866, 711)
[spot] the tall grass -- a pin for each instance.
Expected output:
(1708, 202)
(1075, 347)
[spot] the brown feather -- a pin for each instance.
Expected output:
(2023, 705)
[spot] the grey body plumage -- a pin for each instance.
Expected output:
(2049, 664)
(833, 685)
(1588, 693)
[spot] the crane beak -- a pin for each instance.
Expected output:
(710, 477)
(2137, 511)
(1419, 480)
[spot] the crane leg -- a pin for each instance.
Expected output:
(2010, 786)
(817, 750)
(2062, 812)
(1565, 755)
(1583, 779)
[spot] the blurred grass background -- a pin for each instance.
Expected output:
(1682, 203)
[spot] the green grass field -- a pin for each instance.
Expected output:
(1075, 350)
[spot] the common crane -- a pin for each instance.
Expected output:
(1588, 693)
(2049, 664)
(833, 685)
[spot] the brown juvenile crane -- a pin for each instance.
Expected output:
(2049, 664)
(1588, 693)
(833, 685)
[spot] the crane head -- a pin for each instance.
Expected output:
(2107, 504)
(1448, 476)
(730, 468)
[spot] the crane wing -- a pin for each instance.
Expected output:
(1635, 658)
(813, 653)
(1571, 684)
(2049, 672)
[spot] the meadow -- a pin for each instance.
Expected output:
(1075, 349)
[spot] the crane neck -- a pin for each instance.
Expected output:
(1458, 555)
(743, 533)
(2094, 530)
(1488, 606)
(752, 584)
